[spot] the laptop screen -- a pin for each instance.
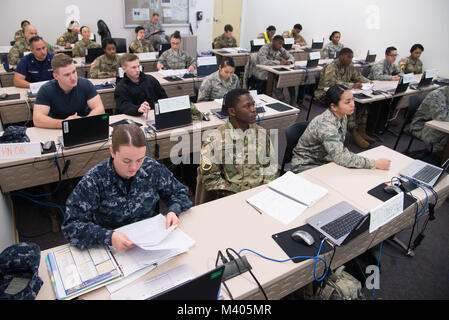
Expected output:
(86, 130)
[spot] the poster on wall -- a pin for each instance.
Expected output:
(166, 3)
(140, 14)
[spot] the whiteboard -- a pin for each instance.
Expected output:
(171, 12)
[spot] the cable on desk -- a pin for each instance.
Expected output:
(378, 265)
(224, 260)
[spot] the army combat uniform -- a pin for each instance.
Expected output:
(67, 37)
(299, 39)
(234, 161)
(79, 50)
(103, 201)
(330, 50)
(224, 42)
(323, 142)
(180, 59)
(215, 87)
(21, 46)
(382, 70)
(409, 65)
(434, 107)
(19, 35)
(102, 67)
(140, 46)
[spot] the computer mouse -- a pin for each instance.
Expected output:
(303, 237)
(3, 96)
(392, 189)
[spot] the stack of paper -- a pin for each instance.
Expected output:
(287, 197)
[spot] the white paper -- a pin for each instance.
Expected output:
(372, 52)
(206, 61)
(141, 14)
(20, 150)
(367, 86)
(174, 104)
(258, 42)
(430, 73)
(253, 94)
(314, 55)
(289, 41)
(117, 285)
(156, 284)
(176, 72)
(35, 86)
(317, 40)
(277, 206)
(386, 212)
(407, 78)
(147, 56)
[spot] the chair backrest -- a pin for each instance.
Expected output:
(120, 45)
(292, 135)
(414, 102)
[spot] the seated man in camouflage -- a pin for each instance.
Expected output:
(121, 190)
(323, 140)
(79, 50)
(21, 32)
(175, 58)
(154, 32)
(226, 40)
(22, 45)
(217, 84)
(434, 107)
(238, 155)
(70, 36)
(140, 44)
(106, 65)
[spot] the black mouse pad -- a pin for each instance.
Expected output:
(124, 121)
(295, 249)
(278, 106)
(379, 193)
(13, 96)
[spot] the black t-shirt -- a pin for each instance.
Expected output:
(63, 105)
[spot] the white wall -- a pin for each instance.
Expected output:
(401, 23)
(50, 18)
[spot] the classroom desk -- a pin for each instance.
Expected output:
(16, 110)
(442, 126)
(231, 222)
(23, 173)
(6, 77)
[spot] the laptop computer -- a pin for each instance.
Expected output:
(256, 44)
(83, 131)
(171, 113)
(400, 88)
(92, 54)
(206, 66)
(316, 45)
(204, 287)
(426, 80)
(340, 223)
(424, 173)
(288, 43)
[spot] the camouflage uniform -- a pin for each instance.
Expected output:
(79, 50)
(382, 70)
(140, 46)
(335, 73)
(19, 35)
(288, 34)
(102, 67)
(434, 107)
(101, 202)
(156, 39)
(180, 59)
(409, 65)
(214, 87)
(323, 142)
(67, 37)
(21, 46)
(224, 42)
(234, 161)
(20, 262)
(267, 56)
(264, 35)
(330, 50)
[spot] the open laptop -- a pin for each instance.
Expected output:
(206, 66)
(204, 287)
(426, 80)
(424, 172)
(171, 113)
(402, 85)
(316, 45)
(86, 130)
(256, 44)
(288, 43)
(92, 54)
(340, 223)
(312, 61)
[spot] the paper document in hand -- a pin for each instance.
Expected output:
(277, 206)
(386, 212)
(297, 188)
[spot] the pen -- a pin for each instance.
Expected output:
(146, 115)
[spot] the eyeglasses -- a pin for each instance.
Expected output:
(393, 55)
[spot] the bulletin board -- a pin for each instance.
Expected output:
(171, 12)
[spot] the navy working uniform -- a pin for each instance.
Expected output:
(34, 70)
(103, 201)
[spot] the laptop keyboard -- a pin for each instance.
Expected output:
(427, 174)
(342, 225)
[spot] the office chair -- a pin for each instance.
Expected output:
(413, 104)
(312, 94)
(130, 50)
(366, 71)
(120, 45)
(292, 134)
(103, 30)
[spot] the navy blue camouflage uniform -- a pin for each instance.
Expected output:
(101, 202)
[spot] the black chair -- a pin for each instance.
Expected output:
(413, 104)
(120, 45)
(103, 30)
(312, 94)
(292, 134)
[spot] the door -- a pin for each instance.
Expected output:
(227, 12)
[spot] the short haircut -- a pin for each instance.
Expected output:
(81, 29)
(28, 27)
(127, 135)
(35, 39)
(389, 49)
(297, 26)
(176, 35)
(128, 57)
(23, 22)
(334, 93)
(107, 41)
(278, 38)
(416, 46)
(333, 34)
(155, 14)
(271, 28)
(227, 62)
(60, 60)
(231, 98)
(138, 28)
(228, 28)
(346, 51)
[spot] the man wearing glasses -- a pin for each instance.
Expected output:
(386, 69)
